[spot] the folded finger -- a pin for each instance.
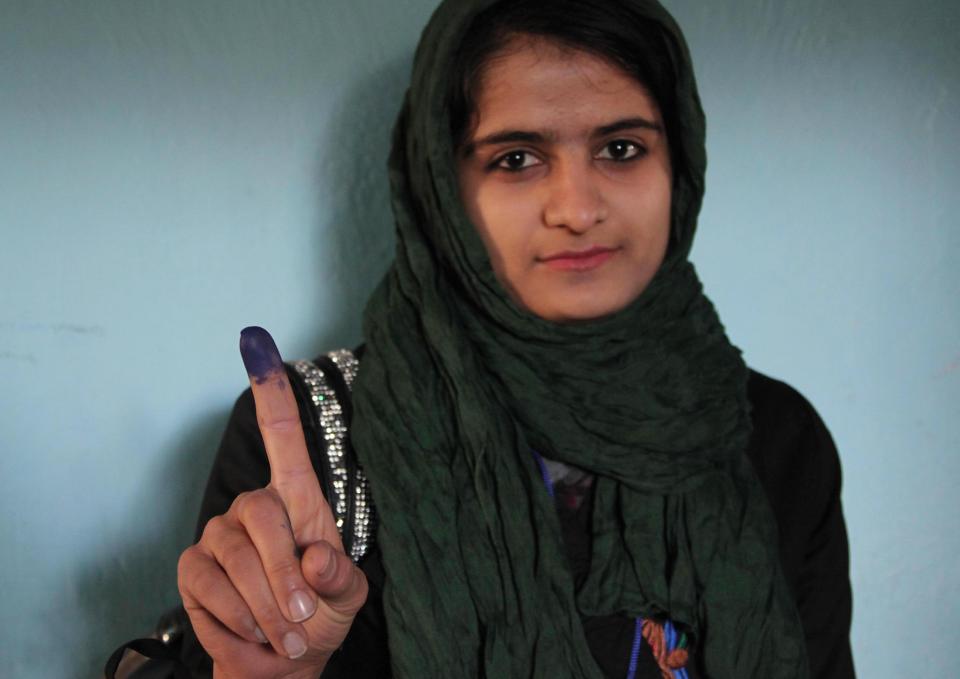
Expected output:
(240, 560)
(205, 586)
(265, 519)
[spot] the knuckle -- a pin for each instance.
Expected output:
(193, 609)
(192, 562)
(279, 424)
(261, 506)
(285, 570)
(186, 558)
(215, 527)
(185, 565)
(237, 556)
(204, 581)
(238, 502)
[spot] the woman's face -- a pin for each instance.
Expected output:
(566, 175)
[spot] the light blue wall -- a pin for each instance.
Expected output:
(173, 171)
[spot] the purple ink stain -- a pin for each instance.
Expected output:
(259, 353)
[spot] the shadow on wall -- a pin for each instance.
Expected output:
(355, 230)
(123, 593)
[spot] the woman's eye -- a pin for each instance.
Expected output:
(620, 149)
(515, 161)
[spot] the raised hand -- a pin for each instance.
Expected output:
(268, 588)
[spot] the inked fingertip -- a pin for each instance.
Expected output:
(259, 353)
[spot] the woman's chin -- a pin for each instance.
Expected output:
(578, 308)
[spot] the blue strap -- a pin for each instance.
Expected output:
(635, 651)
(672, 639)
(544, 473)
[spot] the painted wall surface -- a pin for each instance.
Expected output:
(173, 171)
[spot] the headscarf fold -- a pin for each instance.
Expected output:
(458, 385)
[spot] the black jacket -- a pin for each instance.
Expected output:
(794, 457)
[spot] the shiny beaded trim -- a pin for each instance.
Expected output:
(348, 364)
(363, 512)
(334, 428)
(330, 416)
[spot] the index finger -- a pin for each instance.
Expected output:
(277, 415)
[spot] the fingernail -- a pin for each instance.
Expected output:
(302, 606)
(331, 567)
(294, 645)
(261, 637)
(259, 353)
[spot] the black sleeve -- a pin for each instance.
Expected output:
(798, 465)
(241, 465)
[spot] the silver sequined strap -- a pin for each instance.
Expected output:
(348, 364)
(364, 516)
(333, 426)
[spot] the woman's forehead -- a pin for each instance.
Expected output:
(545, 55)
(540, 83)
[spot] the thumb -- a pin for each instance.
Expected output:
(332, 575)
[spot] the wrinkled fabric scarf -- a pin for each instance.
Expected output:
(458, 385)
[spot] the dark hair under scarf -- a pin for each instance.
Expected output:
(458, 385)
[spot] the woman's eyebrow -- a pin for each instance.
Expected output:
(522, 136)
(505, 137)
(627, 124)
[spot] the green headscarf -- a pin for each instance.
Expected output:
(458, 385)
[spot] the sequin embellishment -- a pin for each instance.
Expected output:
(333, 426)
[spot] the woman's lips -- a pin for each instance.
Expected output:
(583, 260)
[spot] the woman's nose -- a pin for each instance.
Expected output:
(573, 198)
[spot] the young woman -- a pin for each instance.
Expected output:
(574, 472)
